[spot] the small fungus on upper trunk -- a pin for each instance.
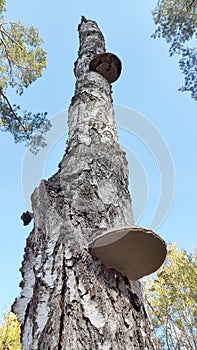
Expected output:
(108, 65)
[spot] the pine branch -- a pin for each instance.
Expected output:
(14, 114)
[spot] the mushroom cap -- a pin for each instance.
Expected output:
(108, 65)
(134, 251)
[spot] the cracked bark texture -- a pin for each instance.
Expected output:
(69, 300)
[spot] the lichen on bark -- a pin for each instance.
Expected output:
(69, 300)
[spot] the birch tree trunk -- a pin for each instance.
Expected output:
(69, 300)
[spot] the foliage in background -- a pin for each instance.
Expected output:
(176, 22)
(9, 332)
(171, 298)
(21, 62)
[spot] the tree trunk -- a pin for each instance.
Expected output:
(69, 300)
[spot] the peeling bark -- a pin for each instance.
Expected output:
(69, 300)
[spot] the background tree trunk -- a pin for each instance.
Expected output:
(69, 300)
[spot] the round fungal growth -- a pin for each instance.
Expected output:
(108, 65)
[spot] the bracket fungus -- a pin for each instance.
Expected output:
(134, 251)
(108, 65)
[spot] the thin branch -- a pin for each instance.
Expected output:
(189, 6)
(4, 31)
(8, 22)
(6, 52)
(10, 59)
(191, 3)
(149, 304)
(189, 327)
(166, 331)
(15, 115)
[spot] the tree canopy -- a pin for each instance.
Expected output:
(22, 60)
(9, 332)
(176, 22)
(171, 299)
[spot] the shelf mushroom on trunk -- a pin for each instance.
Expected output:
(134, 251)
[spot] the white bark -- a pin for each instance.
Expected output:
(69, 300)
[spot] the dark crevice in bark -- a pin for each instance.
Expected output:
(62, 305)
(144, 310)
(135, 301)
(126, 280)
(140, 339)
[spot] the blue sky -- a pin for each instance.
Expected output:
(148, 84)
